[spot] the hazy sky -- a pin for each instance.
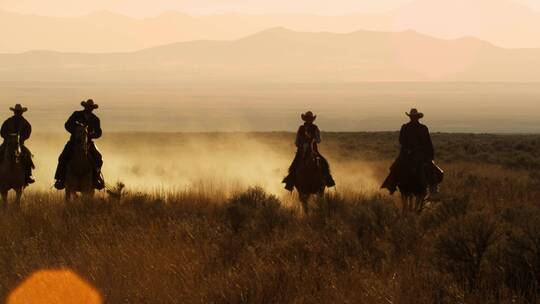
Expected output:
(153, 7)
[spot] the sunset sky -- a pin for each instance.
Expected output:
(141, 8)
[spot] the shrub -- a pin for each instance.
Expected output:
(463, 246)
(521, 253)
(326, 207)
(117, 192)
(447, 209)
(254, 209)
(372, 220)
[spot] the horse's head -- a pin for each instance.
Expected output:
(310, 154)
(13, 147)
(80, 136)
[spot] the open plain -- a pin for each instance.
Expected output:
(203, 219)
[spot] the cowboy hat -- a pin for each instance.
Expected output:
(18, 108)
(414, 114)
(308, 116)
(89, 104)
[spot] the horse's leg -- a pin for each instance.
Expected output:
(404, 204)
(18, 195)
(88, 195)
(68, 195)
(4, 194)
(420, 202)
(410, 205)
(304, 200)
(413, 206)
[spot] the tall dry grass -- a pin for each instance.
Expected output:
(479, 244)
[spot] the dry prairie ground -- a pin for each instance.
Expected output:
(242, 244)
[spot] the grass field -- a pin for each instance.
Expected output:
(249, 243)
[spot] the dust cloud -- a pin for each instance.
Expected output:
(209, 162)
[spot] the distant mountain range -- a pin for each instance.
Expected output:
(501, 22)
(282, 55)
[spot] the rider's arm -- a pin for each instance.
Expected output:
(402, 136)
(297, 140)
(26, 131)
(317, 137)
(4, 131)
(96, 132)
(71, 124)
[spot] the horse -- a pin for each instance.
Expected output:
(417, 179)
(79, 169)
(309, 176)
(418, 183)
(12, 173)
(413, 190)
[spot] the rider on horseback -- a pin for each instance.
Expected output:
(89, 119)
(417, 153)
(17, 124)
(308, 136)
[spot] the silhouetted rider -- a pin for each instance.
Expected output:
(89, 119)
(414, 138)
(417, 152)
(17, 124)
(308, 134)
